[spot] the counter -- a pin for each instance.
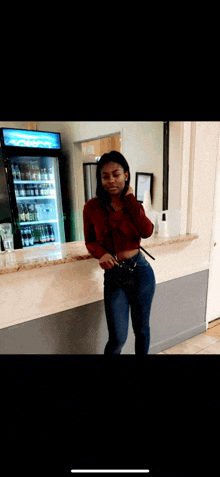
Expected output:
(51, 298)
(57, 254)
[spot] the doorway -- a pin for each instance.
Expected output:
(87, 152)
(93, 150)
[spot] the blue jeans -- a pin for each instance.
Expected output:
(117, 301)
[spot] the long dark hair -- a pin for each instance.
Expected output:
(112, 156)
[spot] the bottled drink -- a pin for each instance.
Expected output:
(31, 213)
(19, 212)
(37, 172)
(32, 172)
(27, 190)
(36, 235)
(45, 233)
(13, 171)
(22, 192)
(43, 238)
(51, 232)
(36, 191)
(50, 174)
(22, 213)
(32, 190)
(36, 213)
(34, 229)
(26, 212)
(31, 236)
(43, 173)
(40, 235)
(22, 238)
(41, 189)
(17, 172)
(28, 172)
(23, 172)
(26, 238)
(16, 191)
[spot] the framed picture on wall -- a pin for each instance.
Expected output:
(143, 181)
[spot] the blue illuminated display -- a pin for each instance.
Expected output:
(37, 139)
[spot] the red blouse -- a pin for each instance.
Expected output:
(127, 227)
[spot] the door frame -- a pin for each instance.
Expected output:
(213, 233)
(78, 182)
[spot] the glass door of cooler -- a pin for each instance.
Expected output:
(38, 196)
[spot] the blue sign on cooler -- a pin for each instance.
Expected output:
(37, 139)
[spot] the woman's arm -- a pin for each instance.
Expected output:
(141, 222)
(90, 237)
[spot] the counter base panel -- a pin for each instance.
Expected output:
(178, 313)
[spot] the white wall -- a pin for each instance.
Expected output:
(12, 124)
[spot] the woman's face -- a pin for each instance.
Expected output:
(113, 178)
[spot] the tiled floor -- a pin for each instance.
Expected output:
(207, 342)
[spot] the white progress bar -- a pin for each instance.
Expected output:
(109, 471)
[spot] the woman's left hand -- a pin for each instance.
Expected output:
(129, 191)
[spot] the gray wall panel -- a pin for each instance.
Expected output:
(178, 313)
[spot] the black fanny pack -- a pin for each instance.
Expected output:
(124, 272)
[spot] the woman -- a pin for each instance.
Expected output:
(114, 221)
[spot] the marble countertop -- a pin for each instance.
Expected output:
(56, 254)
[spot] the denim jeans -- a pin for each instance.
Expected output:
(139, 298)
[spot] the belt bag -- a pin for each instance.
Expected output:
(126, 268)
(124, 272)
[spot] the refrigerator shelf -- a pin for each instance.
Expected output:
(35, 197)
(42, 244)
(34, 182)
(39, 222)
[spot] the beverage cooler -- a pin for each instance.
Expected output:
(30, 192)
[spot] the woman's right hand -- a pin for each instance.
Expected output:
(107, 261)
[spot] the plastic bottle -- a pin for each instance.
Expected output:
(18, 173)
(164, 227)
